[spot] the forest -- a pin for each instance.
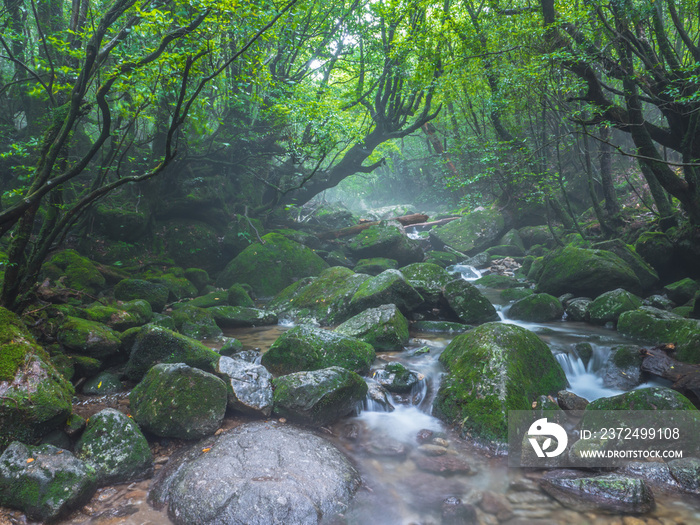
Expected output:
(293, 261)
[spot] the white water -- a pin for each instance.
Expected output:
(468, 273)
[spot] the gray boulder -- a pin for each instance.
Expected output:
(468, 303)
(249, 385)
(257, 474)
(389, 287)
(623, 370)
(385, 328)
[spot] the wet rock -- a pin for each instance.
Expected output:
(515, 294)
(584, 351)
(454, 512)
(656, 474)
(623, 368)
(175, 400)
(154, 294)
(320, 397)
(389, 287)
(447, 464)
(424, 436)
(198, 277)
(306, 348)
(206, 301)
(75, 271)
(686, 472)
(468, 303)
(441, 326)
(241, 316)
(537, 308)
(377, 398)
(428, 279)
(570, 401)
(577, 309)
(237, 295)
(197, 323)
(249, 356)
(682, 291)
(122, 317)
(380, 445)
(270, 267)
(496, 504)
(230, 346)
(114, 445)
(492, 369)
(659, 301)
(647, 276)
(497, 281)
(396, 378)
(44, 482)
(654, 398)
(375, 265)
(609, 306)
(658, 326)
(610, 493)
(89, 338)
(385, 240)
(257, 473)
(325, 298)
(429, 449)
(34, 397)
(102, 384)
(581, 271)
(385, 328)
(470, 234)
(249, 386)
(154, 344)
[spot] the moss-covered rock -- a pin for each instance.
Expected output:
(192, 243)
(659, 326)
(305, 348)
(197, 323)
(153, 293)
(86, 366)
(385, 328)
(240, 233)
(205, 301)
(385, 240)
(198, 277)
(682, 291)
(657, 250)
(319, 397)
(428, 279)
(468, 303)
(389, 287)
(238, 296)
(77, 272)
(537, 308)
(44, 482)
(339, 258)
(241, 317)
(175, 400)
(162, 320)
(89, 338)
(155, 344)
(609, 306)
(178, 286)
(230, 346)
(270, 267)
(102, 384)
(532, 235)
(512, 238)
(646, 274)
(34, 397)
(654, 398)
(470, 234)
(514, 294)
(333, 216)
(325, 298)
(441, 327)
(623, 368)
(585, 272)
(440, 258)
(375, 265)
(123, 316)
(492, 369)
(121, 224)
(500, 282)
(114, 445)
(577, 309)
(505, 250)
(395, 377)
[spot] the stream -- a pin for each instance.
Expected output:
(404, 486)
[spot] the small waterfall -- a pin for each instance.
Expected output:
(585, 380)
(468, 273)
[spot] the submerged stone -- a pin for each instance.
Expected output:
(385, 328)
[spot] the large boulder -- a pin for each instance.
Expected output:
(492, 369)
(257, 473)
(389, 287)
(585, 272)
(319, 397)
(537, 308)
(192, 243)
(89, 338)
(395, 377)
(74, 271)
(305, 348)
(657, 250)
(34, 397)
(271, 266)
(385, 328)
(123, 316)
(115, 446)
(623, 369)
(611, 493)
(659, 326)
(195, 322)
(468, 303)
(428, 279)
(249, 385)
(241, 316)
(44, 482)
(470, 234)
(680, 292)
(375, 265)
(646, 274)
(385, 240)
(175, 400)
(654, 398)
(155, 294)
(609, 306)
(325, 298)
(154, 344)
(179, 287)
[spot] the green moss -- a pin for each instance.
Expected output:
(655, 398)
(270, 267)
(442, 259)
(375, 265)
(682, 291)
(537, 308)
(625, 356)
(468, 303)
(472, 233)
(385, 328)
(205, 301)
(88, 337)
(497, 281)
(196, 322)
(238, 296)
(198, 277)
(192, 243)
(428, 279)
(78, 272)
(155, 294)
(178, 286)
(385, 240)
(609, 306)
(389, 287)
(513, 294)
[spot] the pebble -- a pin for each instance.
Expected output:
(424, 435)
(629, 520)
(432, 450)
(161, 460)
(441, 442)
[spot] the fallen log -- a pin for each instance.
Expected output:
(434, 223)
(405, 220)
(685, 377)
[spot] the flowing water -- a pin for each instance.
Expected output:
(402, 484)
